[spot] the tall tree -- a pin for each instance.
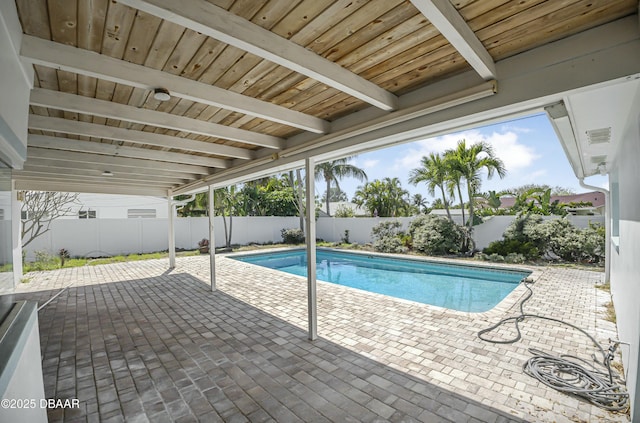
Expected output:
(384, 198)
(470, 162)
(335, 194)
(333, 171)
(419, 202)
(454, 178)
(224, 201)
(40, 208)
(433, 172)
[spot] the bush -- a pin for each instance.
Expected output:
(44, 261)
(388, 237)
(344, 211)
(514, 258)
(435, 235)
(292, 236)
(532, 237)
(513, 246)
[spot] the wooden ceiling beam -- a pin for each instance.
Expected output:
(67, 126)
(106, 161)
(59, 56)
(93, 188)
(65, 165)
(107, 109)
(67, 144)
(444, 16)
(93, 173)
(43, 176)
(209, 19)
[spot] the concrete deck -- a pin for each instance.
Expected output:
(135, 342)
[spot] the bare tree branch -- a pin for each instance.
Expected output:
(41, 208)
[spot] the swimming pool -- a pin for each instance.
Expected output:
(454, 286)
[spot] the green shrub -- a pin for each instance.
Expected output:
(496, 257)
(388, 237)
(44, 261)
(533, 237)
(292, 236)
(513, 246)
(344, 211)
(515, 258)
(435, 235)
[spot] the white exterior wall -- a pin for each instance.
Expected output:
(110, 206)
(625, 261)
(15, 86)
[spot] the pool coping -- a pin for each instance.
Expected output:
(506, 304)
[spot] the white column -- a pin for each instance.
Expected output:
(311, 248)
(172, 233)
(16, 233)
(212, 240)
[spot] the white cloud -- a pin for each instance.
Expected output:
(370, 164)
(516, 156)
(538, 173)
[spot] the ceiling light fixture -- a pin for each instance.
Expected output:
(161, 94)
(107, 173)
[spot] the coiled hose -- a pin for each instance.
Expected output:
(567, 373)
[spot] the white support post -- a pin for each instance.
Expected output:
(311, 248)
(212, 240)
(16, 233)
(172, 233)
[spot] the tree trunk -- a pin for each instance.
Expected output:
(461, 203)
(300, 200)
(446, 203)
(327, 196)
(224, 222)
(228, 243)
(470, 207)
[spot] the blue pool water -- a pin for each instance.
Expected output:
(457, 287)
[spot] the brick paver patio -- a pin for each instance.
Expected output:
(137, 342)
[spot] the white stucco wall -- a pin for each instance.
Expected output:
(110, 206)
(625, 259)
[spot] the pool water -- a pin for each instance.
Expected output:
(458, 287)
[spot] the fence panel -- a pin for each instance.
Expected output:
(104, 237)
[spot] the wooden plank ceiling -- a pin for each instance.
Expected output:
(246, 75)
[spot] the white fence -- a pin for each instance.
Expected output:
(106, 237)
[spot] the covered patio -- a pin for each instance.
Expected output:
(164, 98)
(136, 342)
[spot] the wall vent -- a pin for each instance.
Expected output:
(598, 159)
(599, 136)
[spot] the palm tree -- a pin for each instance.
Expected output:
(384, 198)
(433, 172)
(469, 162)
(454, 177)
(335, 170)
(224, 200)
(419, 202)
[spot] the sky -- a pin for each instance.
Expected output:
(528, 147)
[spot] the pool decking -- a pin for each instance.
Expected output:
(137, 342)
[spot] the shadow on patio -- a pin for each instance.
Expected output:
(167, 349)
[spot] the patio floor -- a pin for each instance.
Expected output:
(136, 342)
